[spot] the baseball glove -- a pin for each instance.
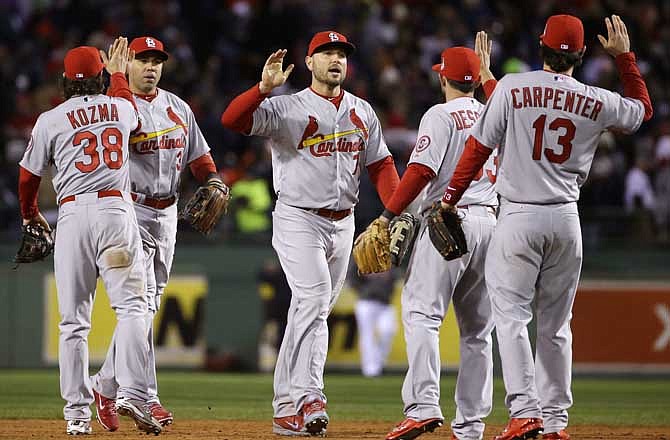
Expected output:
(446, 232)
(403, 231)
(207, 205)
(36, 244)
(372, 249)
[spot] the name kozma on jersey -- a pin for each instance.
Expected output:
(347, 141)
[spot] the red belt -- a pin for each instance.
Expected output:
(329, 213)
(101, 194)
(154, 203)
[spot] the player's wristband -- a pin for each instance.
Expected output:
(388, 214)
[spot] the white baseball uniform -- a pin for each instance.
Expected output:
(432, 282)
(549, 125)
(86, 140)
(167, 140)
(318, 152)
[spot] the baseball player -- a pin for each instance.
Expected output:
(432, 282)
(548, 125)
(86, 140)
(375, 318)
(322, 138)
(167, 140)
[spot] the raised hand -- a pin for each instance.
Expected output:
(483, 50)
(617, 41)
(273, 75)
(118, 57)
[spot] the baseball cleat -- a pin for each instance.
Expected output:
(79, 427)
(315, 417)
(161, 414)
(410, 428)
(139, 412)
(289, 426)
(561, 435)
(105, 412)
(521, 429)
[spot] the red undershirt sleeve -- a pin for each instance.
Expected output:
(203, 167)
(119, 88)
(633, 83)
(413, 181)
(489, 86)
(384, 176)
(473, 159)
(29, 184)
(239, 115)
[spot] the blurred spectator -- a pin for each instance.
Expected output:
(639, 201)
(662, 187)
(275, 292)
(375, 318)
(638, 193)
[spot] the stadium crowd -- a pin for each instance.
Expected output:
(216, 48)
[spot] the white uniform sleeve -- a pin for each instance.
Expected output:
(432, 140)
(267, 117)
(492, 123)
(624, 114)
(197, 144)
(377, 148)
(38, 153)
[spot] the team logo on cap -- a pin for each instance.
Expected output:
(468, 78)
(79, 75)
(333, 36)
(150, 42)
(565, 47)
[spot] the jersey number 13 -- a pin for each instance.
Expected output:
(564, 140)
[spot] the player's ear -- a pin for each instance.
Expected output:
(308, 62)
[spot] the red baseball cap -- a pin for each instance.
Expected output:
(82, 62)
(459, 64)
(148, 44)
(328, 38)
(564, 33)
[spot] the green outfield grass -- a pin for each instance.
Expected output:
(615, 402)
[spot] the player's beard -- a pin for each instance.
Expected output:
(322, 75)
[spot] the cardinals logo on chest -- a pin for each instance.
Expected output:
(347, 141)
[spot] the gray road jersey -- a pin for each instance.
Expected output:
(166, 142)
(548, 126)
(318, 151)
(443, 131)
(86, 139)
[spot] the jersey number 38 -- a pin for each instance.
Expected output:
(111, 140)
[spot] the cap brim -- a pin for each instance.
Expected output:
(348, 47)
(437, 67)
(160, 53)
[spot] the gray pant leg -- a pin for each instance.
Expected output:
(104, 381)
(76, 288)
(425, 299)
(512, 267)
(121, 268)
(314, 253)
(472, 306)
(557, 286)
